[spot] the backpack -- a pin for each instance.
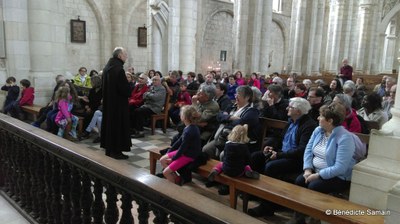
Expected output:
(364, 125)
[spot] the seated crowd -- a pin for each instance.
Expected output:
(218, 116)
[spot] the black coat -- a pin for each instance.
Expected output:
(115, 135)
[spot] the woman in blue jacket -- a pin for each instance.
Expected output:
(328, 157)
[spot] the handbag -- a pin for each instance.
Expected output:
(222, 138)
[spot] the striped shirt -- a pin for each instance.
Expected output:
(319, 151)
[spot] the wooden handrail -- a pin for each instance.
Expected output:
(54, 179)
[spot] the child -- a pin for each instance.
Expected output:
(236, 156)
(183, 99)
(12, 93)
(186, 148)
(64, 119)
(27, 97)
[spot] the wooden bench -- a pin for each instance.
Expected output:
(34, 110)
(300, 199)
(269, 123)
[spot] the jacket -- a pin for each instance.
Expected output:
(339, 153)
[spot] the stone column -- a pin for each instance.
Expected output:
(334, 34)
(47, 51)
(173, 34)
(265, 40)
(315, 38)
(188, 28)
(365, 13)
(378, 176)
(241, 20)
(299, 36)
(156, 46)
(255, 18)
(389, 53)
(117, 20)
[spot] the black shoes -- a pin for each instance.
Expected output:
(138, 135)
(260, 211)
(85, 134)
(119, 156)
(97, 140)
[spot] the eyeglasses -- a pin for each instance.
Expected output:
(141, 78)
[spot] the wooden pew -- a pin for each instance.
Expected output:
(300, 199)
(34, 110)
(268, 123)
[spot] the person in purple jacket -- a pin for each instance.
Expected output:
(186, 149)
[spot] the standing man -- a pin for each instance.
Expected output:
(115, 136)
(346, 71)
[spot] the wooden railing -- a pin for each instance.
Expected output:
(56, 181)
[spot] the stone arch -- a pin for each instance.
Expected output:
(201, 64)
(284, 32)
(385, 21)
(103, 36)
(161, 17)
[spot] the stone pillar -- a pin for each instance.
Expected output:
(334, 34)
(255, 19)
(188, 28)
(156, 46)
(299, 36)
(315, 38)
(174, 34)
(47, 52)
(378, 176)
(365, 13)
(265, 40)
(117, 28)
(389, 53)
(241, 20)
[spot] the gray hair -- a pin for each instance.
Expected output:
(307, 82)
(301, 104)
(208, 90)
(144, 76)
(257, 94)
(246, 92)
(345, 100)
(277, 80)
(117, 51)
(349, 87)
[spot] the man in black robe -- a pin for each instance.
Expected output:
(115, 136)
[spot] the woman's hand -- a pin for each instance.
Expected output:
(312, 177)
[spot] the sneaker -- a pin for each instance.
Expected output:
(211, 176)
(252, 174)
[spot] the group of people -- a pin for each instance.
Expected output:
(218, 116)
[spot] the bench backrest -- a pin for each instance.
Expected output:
(268, 123)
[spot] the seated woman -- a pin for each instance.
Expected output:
(328, 158)
(242, 114)
(372, 109)
(351, 122)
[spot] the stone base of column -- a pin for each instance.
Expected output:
(393, 205)
(374, 177)
(44, 83)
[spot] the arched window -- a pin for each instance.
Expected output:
(277, 5)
